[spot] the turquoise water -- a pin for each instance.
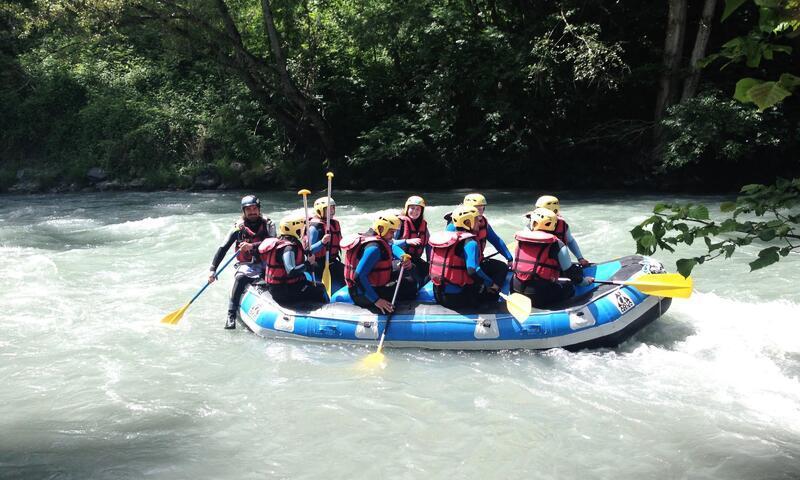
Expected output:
(95, 387)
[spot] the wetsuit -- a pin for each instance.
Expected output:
(316, 231)
(544, 293)
(365, 294)
(475, 291)
(285, 273)
(496, 269)
(421, 267)
(248, 267)
(564, 234)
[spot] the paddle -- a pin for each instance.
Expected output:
(326, 273)
(175, 317)
(671, 285)
(377, 358)
(519, 306)
(305, 193)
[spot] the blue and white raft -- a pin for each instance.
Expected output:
(597, 316)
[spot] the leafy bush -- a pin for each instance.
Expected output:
(716, 129)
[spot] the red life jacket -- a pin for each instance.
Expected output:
(410, 231)
(447, 266)
(336, 236)
(275, 272)
(533, 258)
(561, 230)
(353, 248)
(249, 236)
(482, 234)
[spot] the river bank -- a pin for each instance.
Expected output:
(96, 179)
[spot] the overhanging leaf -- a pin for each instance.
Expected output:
(742, 88)
(699, 212)
(766, 257)
(685, 266)
(767, 94)
(789, 81)
(647, 241)
(767, 235)
(730, 7)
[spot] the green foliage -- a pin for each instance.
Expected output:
(713, 129)
(778, 20)
(764, 216)
(160, 90)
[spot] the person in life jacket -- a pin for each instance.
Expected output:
(562, 230)
(321, 241)
(413, 237)
(247, 234)
(540, 259)
(458, 277)
(369, 270)
(285, 264)
(484, 233)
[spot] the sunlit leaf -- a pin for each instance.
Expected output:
(742, 88)
(767, 94)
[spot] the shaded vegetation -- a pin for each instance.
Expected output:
(259, 93)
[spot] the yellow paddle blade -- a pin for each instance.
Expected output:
(326, 278)
(175, 317)
(374, 360)
(518, 305)
(511, 246)
(672, 285)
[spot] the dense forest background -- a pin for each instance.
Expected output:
(390, 93)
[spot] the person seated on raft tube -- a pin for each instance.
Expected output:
(321, 240)
(494, 268)
(562, 228)
(458, 278)
(539, 260)
(413, 237)
(368, 266)
(285, 264)
(247, 233)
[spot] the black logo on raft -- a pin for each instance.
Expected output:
(624, 302)
(255, 309)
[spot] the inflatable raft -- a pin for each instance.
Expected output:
(596, 316)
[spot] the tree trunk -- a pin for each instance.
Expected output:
(699, 50)
(290, 90)
(671, 63)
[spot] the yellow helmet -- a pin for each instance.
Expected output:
(549, 202)
(386, 222)
(321, 204)
(293, 226)
(465, 216)
(414, 200)
(475, 200)
(543, 219)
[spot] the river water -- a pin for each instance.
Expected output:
(93, 386)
